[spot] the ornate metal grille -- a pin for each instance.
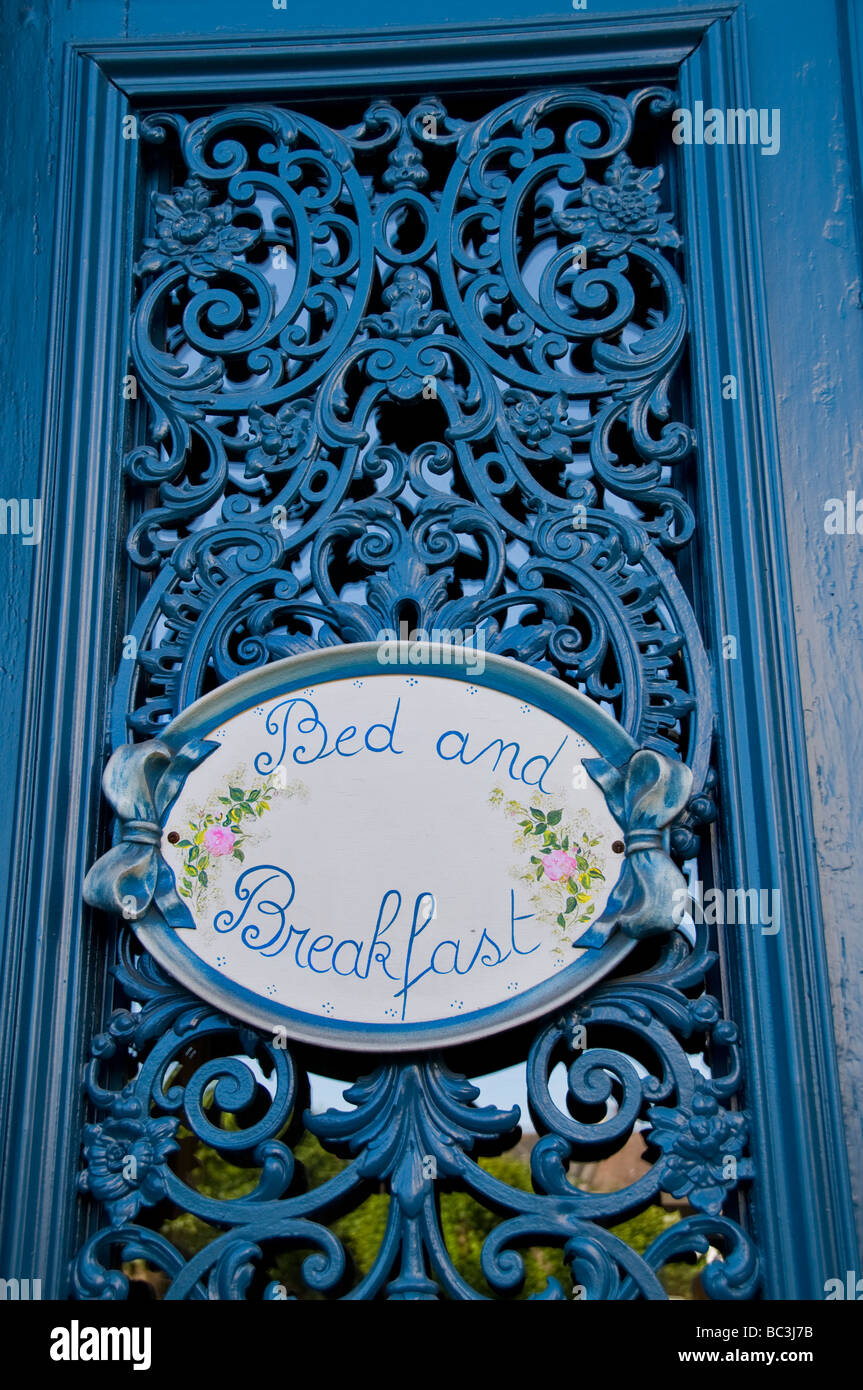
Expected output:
(419, 368)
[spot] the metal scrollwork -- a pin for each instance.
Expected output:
(412, 1125)
(421, 366)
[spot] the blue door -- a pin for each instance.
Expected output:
(537, 326)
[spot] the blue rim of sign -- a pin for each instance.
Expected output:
(210, 712)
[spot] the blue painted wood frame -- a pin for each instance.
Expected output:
(55, 967)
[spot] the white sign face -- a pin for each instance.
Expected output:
(389, 852)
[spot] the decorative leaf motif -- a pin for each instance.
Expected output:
(565, 893)
(216, 835)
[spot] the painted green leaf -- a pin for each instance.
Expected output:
(571, 905)
(538, 815)
(583, 897)
(582, 862)
(184, 844)
(554, 817)
(561, 920)
(236, 793)
(202, 877)
(253, 796)
(238, 854)
(584, 880)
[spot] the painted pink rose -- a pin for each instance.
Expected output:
(219, 840)
(558, 864)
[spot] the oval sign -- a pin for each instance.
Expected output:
(390, 855)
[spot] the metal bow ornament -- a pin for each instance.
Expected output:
(644, 796)
(141, 782)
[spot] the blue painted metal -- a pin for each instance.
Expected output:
(778, 988)
(645, 796)
(141, 783)
(415, 1122)
(506, 466)
(548, 455)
